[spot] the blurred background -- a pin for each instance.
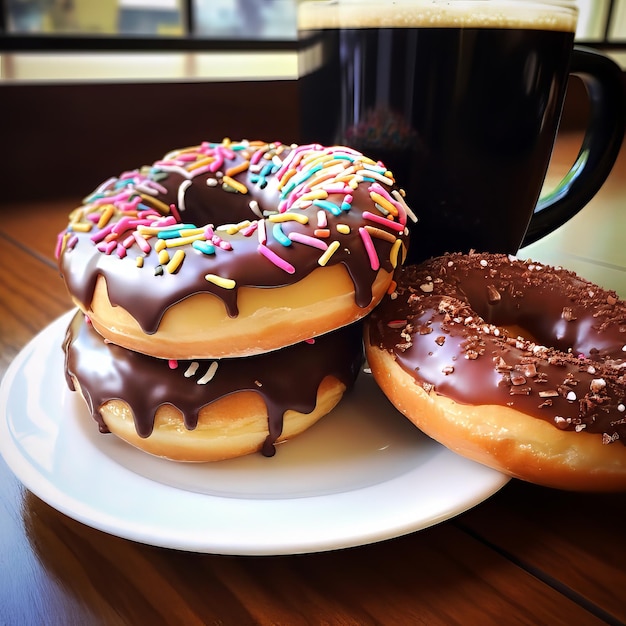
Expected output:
(601, 21)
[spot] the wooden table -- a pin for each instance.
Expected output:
(527, 555)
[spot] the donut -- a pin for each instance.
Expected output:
(234, 248)
(195, 410)
(514, 364)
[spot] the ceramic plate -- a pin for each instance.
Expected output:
(362, 474)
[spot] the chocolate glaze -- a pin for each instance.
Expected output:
(447, 325)
(285, 379)
(147, 292)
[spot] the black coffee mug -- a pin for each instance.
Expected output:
(462, 102)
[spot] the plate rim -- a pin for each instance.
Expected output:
(106, 521)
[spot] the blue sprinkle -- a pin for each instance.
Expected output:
(345, 206)
(280, 236)
(204, 246)
(328, 206)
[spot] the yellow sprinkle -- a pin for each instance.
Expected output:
(301, 218)
(81, 227)
(175, 262)
(160, 245)
(139, 261)
(235, 184)
(183, 241)
(323, 260)
(388, 206)
(226, 283)
(318, 194)
(393, 253)
(232, 229)
(286, 177)
(164, 257)
(242, 167)
(155, 204)
(344, 229)
(66, 237)
(313, 160)
(200, 163)
(106, 215)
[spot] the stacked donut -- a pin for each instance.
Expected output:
(220, 291)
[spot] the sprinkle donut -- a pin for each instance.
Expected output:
(235, 248)
(512, 363)
(210, 410)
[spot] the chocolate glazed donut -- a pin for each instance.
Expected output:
(235, 248)
(513, 363)
(210, 410)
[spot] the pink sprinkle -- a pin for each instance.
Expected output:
(256, 157)
(276, 260)
(107, 247)
(170, 220)
(120, 250)
(225, 245)
(72, 241)
(120, 197)
(175, 213)
(173, 364)
(122, 225)
(141, 242)
(209, 233)
(307, 240)
(147, 213)
(322, 220)
(215, 165)
(370, 249)
(383, 221)
(310, 341)
(101, 234)
(246, 232)
(129, 241)
(57, 250)
(94, 217)
(200, 170)
(188, 156)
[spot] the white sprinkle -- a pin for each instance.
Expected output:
(483, 263)
(209, 374)
(571, 396)
(621, 408)
(211, 182)
(254, 207)
(192, 369)
(181, 194)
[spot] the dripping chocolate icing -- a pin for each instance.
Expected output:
(285, 379)
(447, 322)
(147, 292)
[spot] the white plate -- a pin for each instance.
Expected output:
(362, 474)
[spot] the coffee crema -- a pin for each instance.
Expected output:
(560, 15)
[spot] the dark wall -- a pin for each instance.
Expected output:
(63, 140)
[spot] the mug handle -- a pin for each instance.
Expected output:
(604, 83)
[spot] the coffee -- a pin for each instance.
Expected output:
(461, 101)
